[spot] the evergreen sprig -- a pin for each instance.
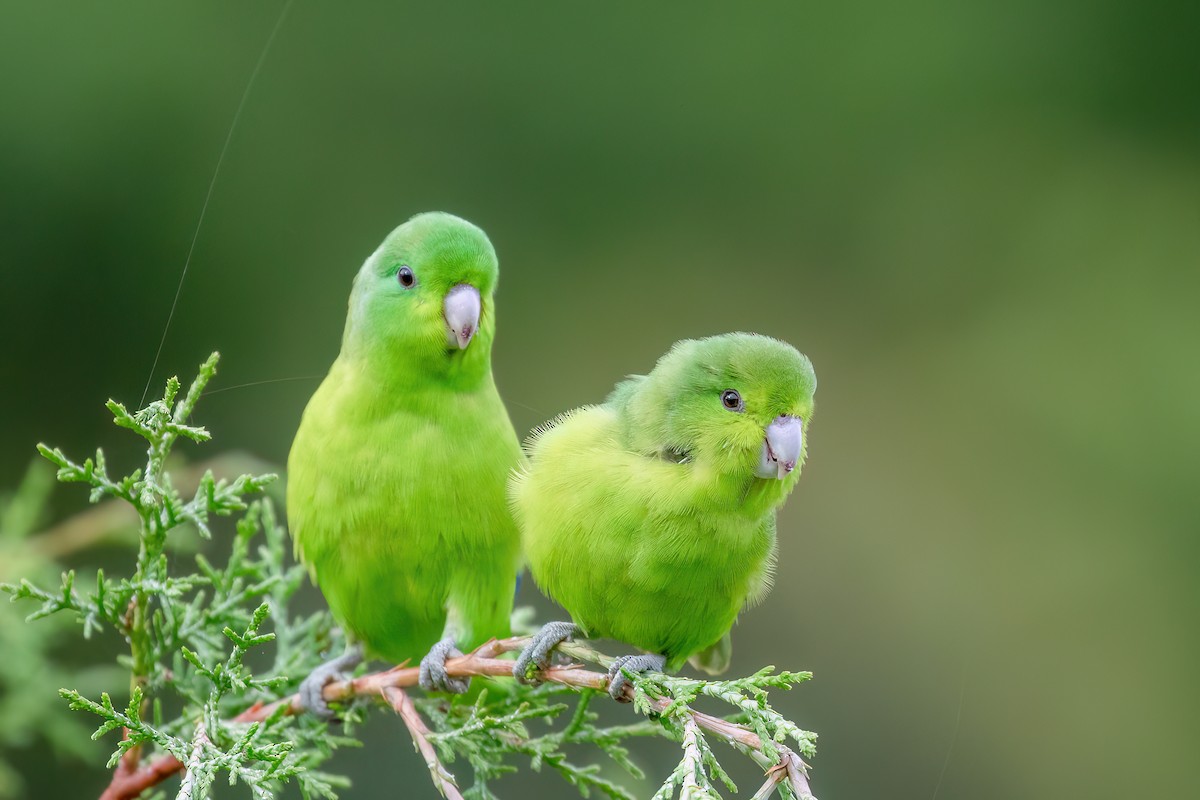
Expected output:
(190, 635)
(488, 732)
(669, 699)
(34, 666)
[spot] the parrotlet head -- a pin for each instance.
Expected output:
(425, 296)
(738, 404)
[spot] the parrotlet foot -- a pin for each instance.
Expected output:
(617, 680)
(433, 669)
(537, 653)
(311, 698)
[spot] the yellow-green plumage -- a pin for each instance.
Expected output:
(396, 478)
(644, 517)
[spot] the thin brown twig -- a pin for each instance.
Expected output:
(791, 770)
(482, 661)
(402, 704)
(768, 787)
(797, 775)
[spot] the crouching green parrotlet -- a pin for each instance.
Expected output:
(396, 478)
(651, 518)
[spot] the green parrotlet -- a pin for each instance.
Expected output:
(396, 478)
(651, 518)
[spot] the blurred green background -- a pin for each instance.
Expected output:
(981, 222)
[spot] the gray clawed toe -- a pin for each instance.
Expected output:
(537, 654)
(311, 692)
(433, 669)
(617, 680)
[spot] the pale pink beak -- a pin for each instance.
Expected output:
(461, 308)
(782, 443)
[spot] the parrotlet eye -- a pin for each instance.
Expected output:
(732, 400)
(406, 278)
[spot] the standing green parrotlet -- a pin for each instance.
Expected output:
(651, 518)
(396, 478)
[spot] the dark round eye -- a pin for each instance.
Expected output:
(406, 277)
(731, 400)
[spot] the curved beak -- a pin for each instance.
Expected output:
(782, 443)
(461, 308)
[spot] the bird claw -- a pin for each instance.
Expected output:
(433, 677)
(537, 653)
(617, 681)
(311, 692)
